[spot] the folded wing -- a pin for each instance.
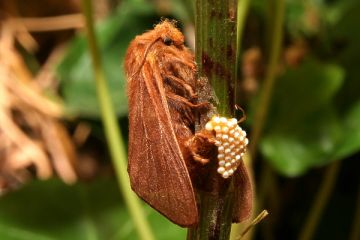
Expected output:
(157, 170)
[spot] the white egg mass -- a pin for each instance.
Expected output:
(231, 142)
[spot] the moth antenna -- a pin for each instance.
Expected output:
(165, 19)
(243, 118)
(144, 59)
(162, 19)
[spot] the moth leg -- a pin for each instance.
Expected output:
(181, 82)
(186, 102)
(200, 159)
(202, 146)
(173, 56)
(192, 145)
(206, 136)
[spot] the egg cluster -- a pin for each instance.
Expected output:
(231, 142)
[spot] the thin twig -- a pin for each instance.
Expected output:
(13, 28)
(112, 131)
(267, 89)
(45, 24)
(321, 199)
(242, 11)
(265, 97)
(258, 219)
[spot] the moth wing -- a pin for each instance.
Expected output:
(243, 194)
(157, 170)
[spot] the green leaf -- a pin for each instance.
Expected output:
(114, 35)
(51, 210)
(349, 56)
(312, 143)
(351, 133)
(303, 91)
(303, 130)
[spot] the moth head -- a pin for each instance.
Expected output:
(169, 34)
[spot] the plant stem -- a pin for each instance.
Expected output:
(265, 97)
(267, 89)
(216, 49)
(268, 191)
(215, 56)
(242, 11)
(215, 217)
(321, 199)
(112, 130)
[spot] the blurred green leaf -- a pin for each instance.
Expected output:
(114, 35)
(348, 55)
(312, 18)
(304, 130)
(302, 91)
(52, 210)
(292, 151)
(183, 10)
(351, 133)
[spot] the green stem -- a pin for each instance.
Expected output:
(268, 191)
(215, 217)
(216, 49)
(321, 199)
(112, 130)
(215, 56)
(242, 11)
(267, 89)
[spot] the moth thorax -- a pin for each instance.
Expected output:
(231, 142)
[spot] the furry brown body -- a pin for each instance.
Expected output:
(163, 165)
(161, 80)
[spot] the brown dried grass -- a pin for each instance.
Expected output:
(31, 132)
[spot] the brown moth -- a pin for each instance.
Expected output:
(164, 151)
